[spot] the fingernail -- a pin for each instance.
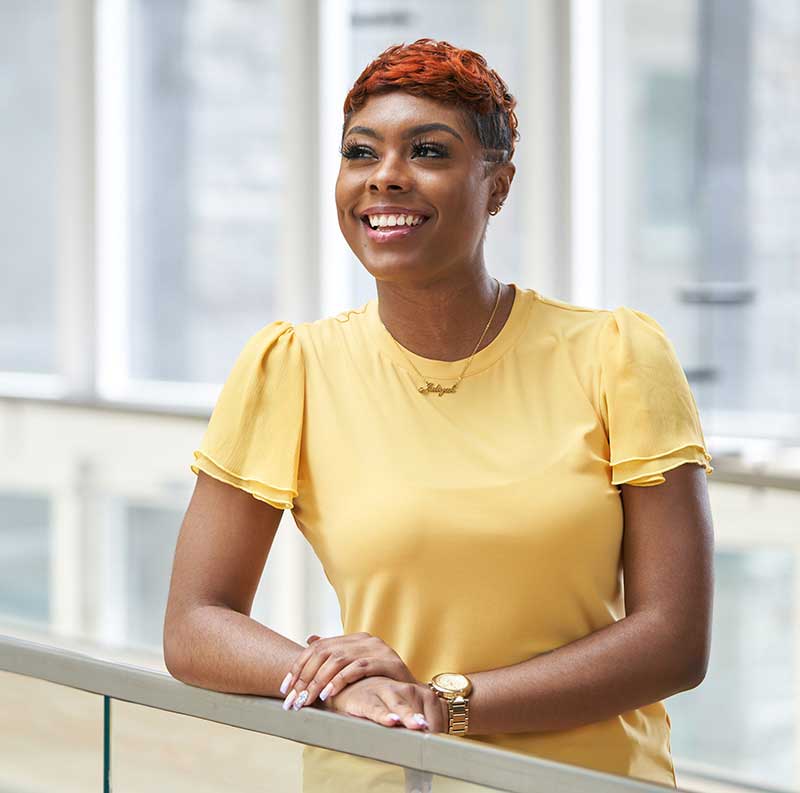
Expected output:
(420, 719)
(288, 701)
(323, 695)
(285, 684)
(393, 717)
(300, 701)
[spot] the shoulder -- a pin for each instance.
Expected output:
(275, 339)
(570, 315)
(335, 332)
(621, 324)
(633, 337)
(266, 356)
(572, 325)
(299, 343)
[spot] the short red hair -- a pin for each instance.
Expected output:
(438, 70)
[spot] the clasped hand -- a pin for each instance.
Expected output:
(360, 675)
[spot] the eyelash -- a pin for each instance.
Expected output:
(348, 150)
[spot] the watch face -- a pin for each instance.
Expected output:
(453, 682)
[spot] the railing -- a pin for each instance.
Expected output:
(423, 757)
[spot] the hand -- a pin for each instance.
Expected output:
(328, 665)
(375, 698)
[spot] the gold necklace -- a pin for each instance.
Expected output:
(436, 388)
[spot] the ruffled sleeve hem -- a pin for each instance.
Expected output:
(254, 436)
(647, 471)
(279, 497)
(647, 406)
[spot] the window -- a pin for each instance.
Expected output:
(206, 175)
(29, 140)
(701, 197)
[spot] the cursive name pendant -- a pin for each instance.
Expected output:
(436, 388)
(430, 388)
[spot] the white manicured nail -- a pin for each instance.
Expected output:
(323, 695)
(287, 703)
(301, 700)
(285, 683)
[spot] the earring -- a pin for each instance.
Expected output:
(496, 209)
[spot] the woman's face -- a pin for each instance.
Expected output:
(389, 160)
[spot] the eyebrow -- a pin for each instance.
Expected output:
(409, 133)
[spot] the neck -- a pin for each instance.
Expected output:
(444, 320)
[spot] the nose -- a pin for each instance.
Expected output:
(390, 174)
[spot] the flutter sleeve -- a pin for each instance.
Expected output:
(647, 405)
(253, 437)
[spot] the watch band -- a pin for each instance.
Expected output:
(458, 712)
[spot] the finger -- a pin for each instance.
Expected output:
(296, 698)
(406, 703)
(426, 713)
(327, 670)
(434, 709)
(380, 711)
(312, 638)
(317, 646)
(336, 674)
(299, 663)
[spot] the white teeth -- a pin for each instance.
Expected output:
(379, 221)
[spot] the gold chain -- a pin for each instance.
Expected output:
(431, 388)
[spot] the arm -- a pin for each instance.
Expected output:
(659, 649)
(209, 638)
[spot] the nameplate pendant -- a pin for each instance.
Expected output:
(431, 388)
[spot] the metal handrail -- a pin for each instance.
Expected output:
(436, 754)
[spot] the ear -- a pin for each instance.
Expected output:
(501, 178)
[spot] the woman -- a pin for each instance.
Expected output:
(463, 456)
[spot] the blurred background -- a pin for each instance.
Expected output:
(168, 171)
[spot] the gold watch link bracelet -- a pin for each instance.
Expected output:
(455, 689)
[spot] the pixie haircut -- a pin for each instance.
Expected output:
(438, 70)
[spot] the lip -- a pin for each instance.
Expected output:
(391, 209)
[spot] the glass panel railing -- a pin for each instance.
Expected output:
(751, 683)
(183, 753)
(51, 736)
(325, 770)
(74, 722)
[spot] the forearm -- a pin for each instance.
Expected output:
(631, 663)
(223, 650)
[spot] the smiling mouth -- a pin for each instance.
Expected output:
(389, 234)
(365, 221)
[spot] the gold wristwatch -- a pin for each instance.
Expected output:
(455, 689)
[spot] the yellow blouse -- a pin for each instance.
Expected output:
(477, 529)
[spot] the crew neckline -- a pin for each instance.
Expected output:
(451, 370)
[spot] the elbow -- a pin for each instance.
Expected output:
(694, 669)
(171, 649)
(700, 658)
(689, 680)
(172, 664)
(171, 660)
(699, 673)
(692, 654)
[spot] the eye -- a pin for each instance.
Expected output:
(428, 149)
(439, 149)
(351, 151)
